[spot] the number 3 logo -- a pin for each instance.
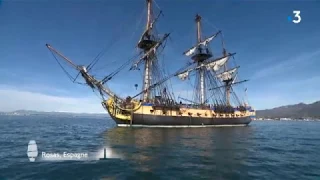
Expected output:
(297, 15)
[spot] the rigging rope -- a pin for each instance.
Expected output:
(217, 93)
(111, 75)
(235, 96)
(156, 4)
(101, 53)
(64, 70)
(114, 41)
(207, 21)
(164, 80)
(138, 23)
(223, 44)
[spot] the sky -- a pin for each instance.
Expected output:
(281, 59)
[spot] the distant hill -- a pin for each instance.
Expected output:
(300, 110)
(295, 111)
(69, 114)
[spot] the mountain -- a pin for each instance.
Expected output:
(64, 114)
(296, 111)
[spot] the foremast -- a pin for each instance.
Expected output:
(149, 44)
(146, 42)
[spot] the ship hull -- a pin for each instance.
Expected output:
(141, 120)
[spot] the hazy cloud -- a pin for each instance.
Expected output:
(281, 93)
(12, 99)
(284, 65)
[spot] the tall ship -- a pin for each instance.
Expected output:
(214, 102)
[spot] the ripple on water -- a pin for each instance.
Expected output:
(264, 150)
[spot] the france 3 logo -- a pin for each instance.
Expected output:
(297, 17)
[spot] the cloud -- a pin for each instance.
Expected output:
(310, 83)
(289, 64)
(14, 99)
(285, 93)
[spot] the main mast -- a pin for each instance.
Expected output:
(201, 55)
(201, 70)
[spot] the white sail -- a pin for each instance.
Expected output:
(206, 41)
(32, 150)
(216, 65)
(210, 66)
(234, 79)
(227, 75)
(183, 76)
(190, 51)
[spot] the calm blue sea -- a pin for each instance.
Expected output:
(263, 150)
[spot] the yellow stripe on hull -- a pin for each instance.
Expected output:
(126, 114)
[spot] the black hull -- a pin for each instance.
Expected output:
(184, 121)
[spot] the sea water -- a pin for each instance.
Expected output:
(263, 150)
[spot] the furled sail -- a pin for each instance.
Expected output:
(204, 43)
(190, 51)
(183, 76)
(227, 75)
(234, 79)
(216, 65)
